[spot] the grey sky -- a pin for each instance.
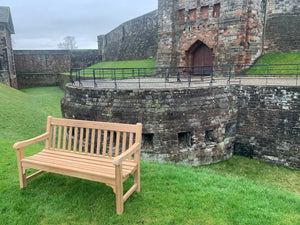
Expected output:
(42, 24)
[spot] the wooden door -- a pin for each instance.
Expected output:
(203, 56)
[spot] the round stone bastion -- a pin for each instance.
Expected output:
(194, 126)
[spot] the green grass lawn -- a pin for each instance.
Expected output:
(237, 191)
(262, 66)
(112, 69)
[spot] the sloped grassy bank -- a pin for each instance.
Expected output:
(238, 191)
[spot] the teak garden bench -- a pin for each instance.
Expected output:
(105, 152)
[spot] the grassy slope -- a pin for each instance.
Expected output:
(126, 64)
(148, 63)
(238, 191)
(24, 114)
(278, 58)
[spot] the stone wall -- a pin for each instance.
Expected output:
(232, 29)
(133, 40)
(200, 126)
(282, 32)
(42, 80)
(81, 58)
(54, 61)
(7, 63)
(268, 126)
(193, 126)
(42, 61)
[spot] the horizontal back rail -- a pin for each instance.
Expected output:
(95, 125)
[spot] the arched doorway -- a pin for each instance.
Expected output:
(200, 55)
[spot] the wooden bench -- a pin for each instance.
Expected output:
(97, 151)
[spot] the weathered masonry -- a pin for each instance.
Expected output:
(7, 63)
(200, 125)
(132, 40)
(206, 32)
(221, 32)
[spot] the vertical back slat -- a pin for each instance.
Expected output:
(80, 140)
(93, 141)
(75, 139)
(98, 142)
(124, 142)
(64, 138)
(117, 144)
(104, 143)
(53, 136)
(111, 143)
(70, 138)
(87, 137)
(130, 139)
(59, 138)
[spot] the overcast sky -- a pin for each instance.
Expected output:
(42, 24)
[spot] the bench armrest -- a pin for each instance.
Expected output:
(130, 151)
(22, 144)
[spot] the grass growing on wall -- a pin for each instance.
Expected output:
(237, 191)
(263, 64)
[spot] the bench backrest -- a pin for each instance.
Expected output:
(91, 137)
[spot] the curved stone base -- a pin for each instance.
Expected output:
(192, 126)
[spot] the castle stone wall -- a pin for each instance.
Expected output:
(193, 126)
(54, 61)
(232, 29)
(7, 63)
(282, 33)
(268, 125)
(200, 126)
(81, 58)
(133, 40)
(42, 61)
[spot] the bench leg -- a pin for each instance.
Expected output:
(119, 191)
(22, 171)
(137, 179)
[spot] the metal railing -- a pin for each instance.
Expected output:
(186, 76)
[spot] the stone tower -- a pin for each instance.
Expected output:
(209, 32)
(7, 64)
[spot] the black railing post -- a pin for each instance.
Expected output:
(178, 75)
(229, 75)
(78, 74)
(115, 78)
(139, 79)
(212, 75)
(94, 77)
(71, 77)
(190, 78)
(297, 75)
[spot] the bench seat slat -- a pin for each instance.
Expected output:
(69, 163)
(88, 156)
(108, 162)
